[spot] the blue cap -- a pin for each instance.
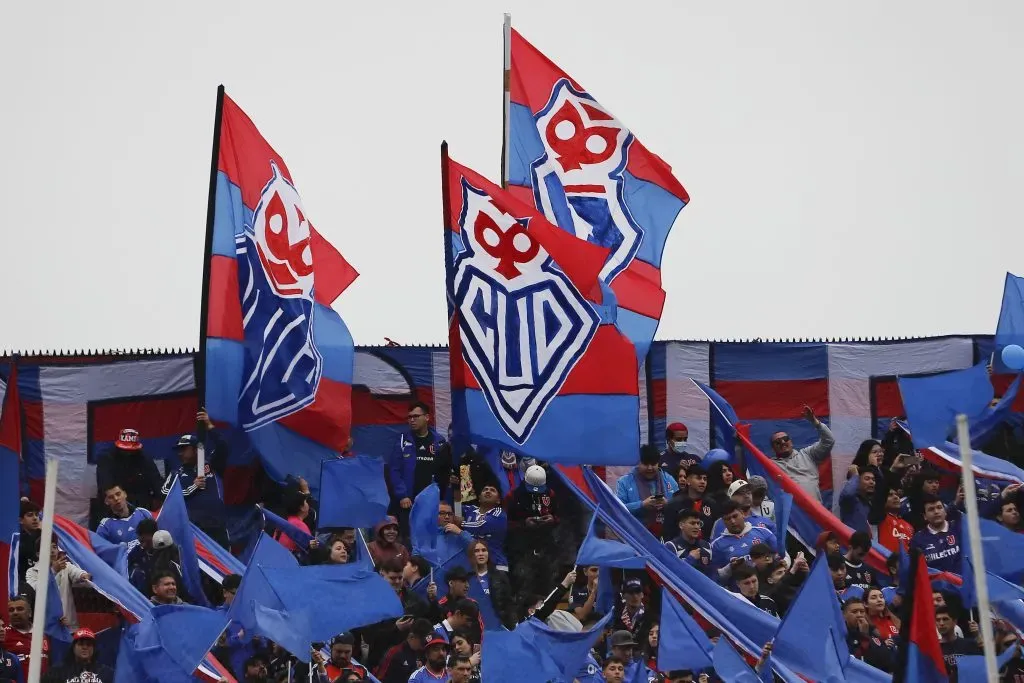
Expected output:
(187, 440)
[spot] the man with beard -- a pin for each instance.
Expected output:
(341, 657)
(434, 669)
(80, 665)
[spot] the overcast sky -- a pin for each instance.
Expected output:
(855, 168)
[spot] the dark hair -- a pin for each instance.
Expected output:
(729, 507)
(21, 597)
(613, 660)
(861, 540)
(110, 487)
(421, 405)
(696, 469)
(231, 582)
(927, 498)
(466, 607)
(293, 503)
(160, 576)
(147, 527)
(852, 601)
(865, 469)
(455, 660)
(835, 561)
(28, 506)
(393, 565)
(892, 561)
(685, 514)
(944, 609)
(649, 455)
(422, 628)
(1005, 502)
(760, 550)
(930, 474)
(743, 571)
(863, 451)
(422, 566)
(467, 635)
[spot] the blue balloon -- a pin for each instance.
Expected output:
(716, 455)
(1013, 356)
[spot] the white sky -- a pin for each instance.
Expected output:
(854, 168)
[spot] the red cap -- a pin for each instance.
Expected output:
(437, 640)
(83, 634)
(128, 440)
(677, 427)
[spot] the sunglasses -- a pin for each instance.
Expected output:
(780, 440)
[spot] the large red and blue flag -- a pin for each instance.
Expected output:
(535, 363)
(10, 468)
(589, 175)
(920, 656)
(278, 359)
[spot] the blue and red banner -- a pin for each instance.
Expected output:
(536, 363)
(10, 468)
(589, 175)
(278, 358)
(920, 657)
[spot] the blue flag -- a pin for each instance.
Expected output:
(984, 427)
(730, 666)
(353, 492)
(1010, 328)
(169, 644)
(605, 553)
(254, 587)
(815, 611)
(536, 652)
(1004, 563)
(291, 630)
(932, 403)
(686, 644)
(428, 541)
(173, 518)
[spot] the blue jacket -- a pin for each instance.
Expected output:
(423, 675)
(402, 464)
(10, 668)
(118, 530)
(205, 505)
(727, 546)
(632, 490)
(853, 509)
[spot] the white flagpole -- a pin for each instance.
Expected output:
(505, 151)
(35, 661)
(977, 552)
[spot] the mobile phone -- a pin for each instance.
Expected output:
(659, 496)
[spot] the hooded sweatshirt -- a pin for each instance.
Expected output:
(381, 550)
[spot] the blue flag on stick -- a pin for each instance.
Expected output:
(353, 492)
(932, 403)
(814, 611)
(536, 652)
(686, 644)
(173, 518)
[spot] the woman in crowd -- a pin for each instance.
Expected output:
(720, 475)
(490, 588)
(887, 623)
(337, 551)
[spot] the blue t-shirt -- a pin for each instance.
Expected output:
(754, 520)
(727, 546)
(123, 530)
(941, 549)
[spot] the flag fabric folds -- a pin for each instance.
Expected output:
(278, 360)
(606, 553)
(814, 611)
(588, 174)
(536, 652)
(169, 644)
(10, 475)
(537, 363)
(933, 402)
(919, 659)
(276, 521)
(173, 518)
(686, 644)
(1010, 328)
(730, 666)
(353, 492)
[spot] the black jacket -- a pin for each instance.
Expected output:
(71, 672)
(134, 471)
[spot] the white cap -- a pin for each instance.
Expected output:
(536, 478)
(736, 486)
(162, 539)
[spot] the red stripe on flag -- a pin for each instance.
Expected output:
(638, 288)
(657, 403)
(10, 418)
(33, 412)
(152, 417)
(224, 319)
(533, 75)
(368, 409)
(327, 421)
(1000, 383)
(888, 400)
(774, 400)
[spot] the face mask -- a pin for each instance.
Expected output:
(678, 446)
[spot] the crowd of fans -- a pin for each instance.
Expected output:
(519, 553)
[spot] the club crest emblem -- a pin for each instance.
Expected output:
(578, 181)
(522, 322)
(275, 269)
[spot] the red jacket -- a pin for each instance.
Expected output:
(893, 531)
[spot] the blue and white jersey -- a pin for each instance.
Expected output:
(727, 546)
(941, 549)
(117, 530)
(491, 527)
